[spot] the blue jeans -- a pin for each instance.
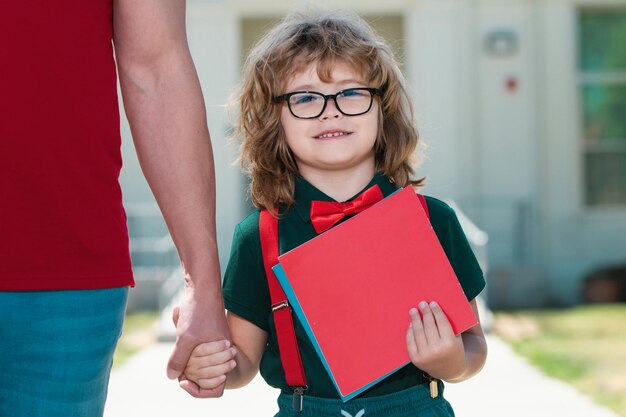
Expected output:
(56, 351)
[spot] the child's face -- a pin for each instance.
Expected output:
(332, 141)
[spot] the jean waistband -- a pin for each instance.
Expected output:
(405, 403)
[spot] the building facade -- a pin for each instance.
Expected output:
(522, 105)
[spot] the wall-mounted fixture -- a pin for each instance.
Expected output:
(501, 43)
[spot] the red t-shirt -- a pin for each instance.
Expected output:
(62, 224)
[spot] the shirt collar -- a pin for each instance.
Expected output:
(305, 193)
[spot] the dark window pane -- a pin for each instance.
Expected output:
(604, 108)
(606, 178)
(603, 40)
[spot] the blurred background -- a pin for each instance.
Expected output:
(522, 106)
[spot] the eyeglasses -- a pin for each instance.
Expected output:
(311, 104)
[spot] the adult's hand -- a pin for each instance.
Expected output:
(199, 318)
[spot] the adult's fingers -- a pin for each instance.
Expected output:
(195, 391)
(211, 383)
(179, 358)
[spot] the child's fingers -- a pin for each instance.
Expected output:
(209, 348)
(411, 345)
(210, 372)
(443, 324)
(199, 371)
(417, 329)
(430, 326)
(215, 359)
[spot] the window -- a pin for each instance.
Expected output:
(602, 70)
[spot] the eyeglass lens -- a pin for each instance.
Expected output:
(311, 104)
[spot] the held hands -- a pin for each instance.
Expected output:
(196, 322)
(209, 363)
(432, 345)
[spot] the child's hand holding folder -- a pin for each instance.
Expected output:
(433, 347)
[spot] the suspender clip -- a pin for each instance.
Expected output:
(298, 398)
(280, 306)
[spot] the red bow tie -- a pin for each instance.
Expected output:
(324, 214)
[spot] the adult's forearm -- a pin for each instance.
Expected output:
(165, 109)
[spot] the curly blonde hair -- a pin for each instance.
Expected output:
(290, 47)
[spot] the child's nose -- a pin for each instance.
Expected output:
(331, 111)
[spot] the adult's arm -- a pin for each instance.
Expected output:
(165, 108)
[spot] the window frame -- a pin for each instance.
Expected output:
(587, 78)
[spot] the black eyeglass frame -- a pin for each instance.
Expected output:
(286, 97)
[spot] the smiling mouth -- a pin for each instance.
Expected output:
(332, 135)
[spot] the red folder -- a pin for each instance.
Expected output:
(352, 288)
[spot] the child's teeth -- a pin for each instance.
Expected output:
(330, 135)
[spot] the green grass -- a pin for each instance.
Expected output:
(137, 333)
(583, 346)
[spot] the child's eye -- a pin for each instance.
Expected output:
(304, 98)
(353, 93)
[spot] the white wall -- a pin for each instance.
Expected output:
(481, 135)
(214, 41)
(509, 157)
(436, 32)
(579, 239)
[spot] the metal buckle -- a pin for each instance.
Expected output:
(280, 306)
(298, 398)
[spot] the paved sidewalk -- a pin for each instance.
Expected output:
(508, 386)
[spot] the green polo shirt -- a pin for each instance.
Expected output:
(246, 292)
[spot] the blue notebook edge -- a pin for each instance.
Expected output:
(295, 305)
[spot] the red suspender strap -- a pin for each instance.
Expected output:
(285, 332)
(287, 343)
(424, 205)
